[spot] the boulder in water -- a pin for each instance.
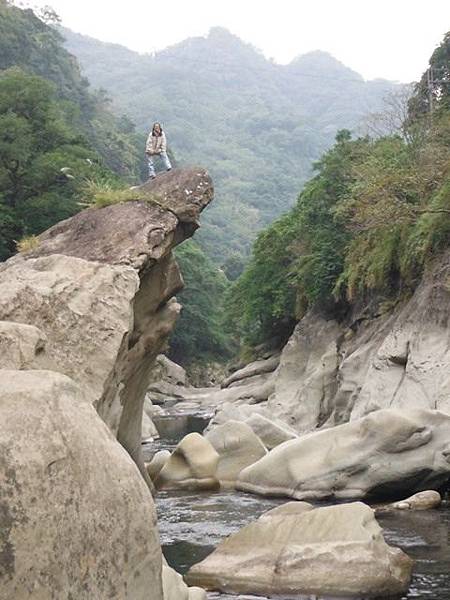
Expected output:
(192, 465)
(334, 550)
(388, 452)
(425, 500)
(157, 463)
(238, 446)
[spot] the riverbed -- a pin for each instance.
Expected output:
(192, 524)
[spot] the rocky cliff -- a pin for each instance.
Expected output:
(384, 357)
(82, 317)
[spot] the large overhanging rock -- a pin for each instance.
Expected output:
(334, 550)
(98, 292)
(388, 452)
(77, 520)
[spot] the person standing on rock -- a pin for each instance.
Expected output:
(156, 146)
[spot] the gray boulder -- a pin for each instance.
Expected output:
(237, 446)
(270, 430)
(425, 500)
(387, 452)
(253, 369)
(157, 463)
(98, 291)
(77, 519)
(192, 465)
(328, 551)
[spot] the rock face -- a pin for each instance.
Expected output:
(82, 318)
(385, 453)
(98, 291)
(238, 447)
(334, 550)
(76, 518)
(192, 465)
(399, 357)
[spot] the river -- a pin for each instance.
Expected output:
(192, 524)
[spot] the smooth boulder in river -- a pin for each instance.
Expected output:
(426, 500)
(388, 452)
(238, 446)
(192, 465)
(77, 519)
(334, 550)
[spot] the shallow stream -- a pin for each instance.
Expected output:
(192, 524)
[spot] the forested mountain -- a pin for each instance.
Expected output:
(257, 126)
(364, 227)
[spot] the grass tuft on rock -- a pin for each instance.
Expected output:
(101, 194)
(27, 244)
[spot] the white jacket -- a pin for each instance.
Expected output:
(156, 143)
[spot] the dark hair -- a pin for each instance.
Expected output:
(153, 128)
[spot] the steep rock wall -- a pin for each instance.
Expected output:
(331, 372)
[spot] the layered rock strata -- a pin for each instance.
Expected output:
(384, 357)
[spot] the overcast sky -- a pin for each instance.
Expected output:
(378, 38)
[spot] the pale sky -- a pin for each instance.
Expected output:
(392, 39)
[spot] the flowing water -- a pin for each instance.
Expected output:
(192, 524)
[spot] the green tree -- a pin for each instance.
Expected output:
(199, 332)
(43, 163)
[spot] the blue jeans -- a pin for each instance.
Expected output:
(151, 162)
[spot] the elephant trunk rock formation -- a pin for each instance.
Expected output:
(93, 303)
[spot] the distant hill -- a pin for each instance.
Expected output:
(257, 126)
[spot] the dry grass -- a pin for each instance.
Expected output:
(27, 244)
(105, 194)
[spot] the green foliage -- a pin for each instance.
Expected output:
(296, 261)
(439, 65)
(27, 41)
(199, 332)
(367, 224)
(42, 161)
(256, 126)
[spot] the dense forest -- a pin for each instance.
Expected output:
(255, 125)
(364, 227)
